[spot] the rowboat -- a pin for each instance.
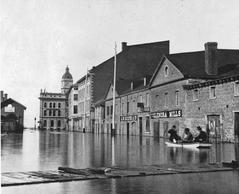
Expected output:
(189, 145)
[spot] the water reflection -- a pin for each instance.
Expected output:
(41, 150)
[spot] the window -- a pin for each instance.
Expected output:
(54, 105)
(75, 88)
(44, 112)
(140, 98)
(50, 105)
(177, 98)
(52, 123)
(75, 96)
(236, 89)
(147, 100)
(49, 112)
(44, 123)
(54, 112)
(45, 105)
(166, 99)
(212, 92)
(75, 111)
(59, 105)
(127, 107)
(195, 95)
(166, 71)
(111, 110)
(59, 123)
(108, 110)
(59, 113)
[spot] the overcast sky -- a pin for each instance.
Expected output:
(38, 38)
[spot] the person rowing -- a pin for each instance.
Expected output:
(187, 137)
(174, 137)
(202, 136)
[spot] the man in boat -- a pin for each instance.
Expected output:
(187, 137)
(174, 137)
(202, 136)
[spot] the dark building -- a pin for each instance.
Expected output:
(12, 114)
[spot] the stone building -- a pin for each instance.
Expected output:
(53, 106)
(12, 114)
(175, 92)
(133, 62)
(79, 100)
(132, 108)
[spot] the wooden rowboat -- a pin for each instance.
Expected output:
(189, 145)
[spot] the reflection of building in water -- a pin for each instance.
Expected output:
(12, 114)
(53, 106)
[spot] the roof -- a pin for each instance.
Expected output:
(10, 101)
(67, 74)
(133, 62)
(192, 64)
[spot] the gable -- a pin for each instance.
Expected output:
(166, 72)
(110, 93)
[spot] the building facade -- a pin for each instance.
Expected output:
(79, 100)
(12, 114)
(54, 107)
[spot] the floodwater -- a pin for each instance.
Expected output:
(41, 150)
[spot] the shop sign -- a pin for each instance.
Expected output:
(129, 118)
(166, 114)
(156, 115)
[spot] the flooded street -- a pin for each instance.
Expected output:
(41, 150)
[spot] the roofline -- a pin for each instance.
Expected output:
(15, 102)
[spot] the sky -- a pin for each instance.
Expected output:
(39, 38)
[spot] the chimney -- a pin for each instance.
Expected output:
(124, 45)
(5, 96)
(1, 96)
(211, 66)
(132, 85)
(145, 81)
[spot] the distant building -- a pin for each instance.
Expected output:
(53, 106)
(12, 114)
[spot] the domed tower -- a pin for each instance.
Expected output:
(66, 81)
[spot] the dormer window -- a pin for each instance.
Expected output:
(166, 71)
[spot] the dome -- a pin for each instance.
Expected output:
(67, 74)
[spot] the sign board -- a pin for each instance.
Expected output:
(9, 108)
(129, 118)
(166, 114)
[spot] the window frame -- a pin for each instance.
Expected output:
(195, 97)
(236, 88)
(210, 92)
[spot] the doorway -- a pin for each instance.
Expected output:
(140, 126)
(127, 129)
(213, 122)
(156, 128)
(236, 126)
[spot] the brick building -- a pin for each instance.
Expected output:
(53, 106)
(172, 92)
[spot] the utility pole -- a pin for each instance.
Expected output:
(113, 132)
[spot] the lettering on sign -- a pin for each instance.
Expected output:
(175, 113)
(9, 108)
(166, 114)
(129, 118)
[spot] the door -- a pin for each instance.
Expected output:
(213, 122)
(165, 129)
(156, 128)
(127, 129)
(236, 126)
(140, 126)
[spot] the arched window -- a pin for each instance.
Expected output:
(54, 105)
(59, 123)
(59, 105)
(45, 105)
(59, 113)
(44, 112)
(50, 105)
(52, 123)
(54, 113)
(49, 112)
